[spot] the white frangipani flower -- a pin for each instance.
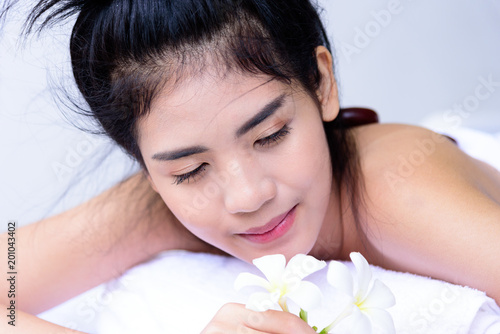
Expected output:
(282, 282)
(368, 301)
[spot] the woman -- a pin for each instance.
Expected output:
(231, 108)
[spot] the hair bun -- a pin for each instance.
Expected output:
(55, 11)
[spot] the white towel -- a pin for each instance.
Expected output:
(179, 292)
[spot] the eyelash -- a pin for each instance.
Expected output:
(275, 137)
(266, 141)
(190, 175)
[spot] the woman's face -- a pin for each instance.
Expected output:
(241, 161)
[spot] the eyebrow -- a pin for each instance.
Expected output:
(267, 111)
(181, 153)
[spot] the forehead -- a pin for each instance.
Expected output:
(207, 101)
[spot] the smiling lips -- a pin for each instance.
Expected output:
(273, 230)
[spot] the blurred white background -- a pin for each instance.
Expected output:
(410, 60)
(418, 62)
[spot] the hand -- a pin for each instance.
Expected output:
(235, 318)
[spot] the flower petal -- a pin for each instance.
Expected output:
(303, 265)
(364, 274)
(307, 296)
(380, 296)
(381, 319)
(262, 301)
(340, 277)
(360, 323)
(247, 279)
(272, 266)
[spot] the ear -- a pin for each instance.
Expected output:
(151, 182)
(327, 91)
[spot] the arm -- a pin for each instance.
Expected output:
(60, 257)
(29, 324)
(438, 216)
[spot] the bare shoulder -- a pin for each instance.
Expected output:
(391, 140)
(395, 156)
(430, 208)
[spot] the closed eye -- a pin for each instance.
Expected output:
(178, 179)
(266, 141)
(275, 137)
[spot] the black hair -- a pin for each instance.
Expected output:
(124, 51)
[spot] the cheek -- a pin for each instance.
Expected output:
(197, 209)
(308, 163)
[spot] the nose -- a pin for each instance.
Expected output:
(248, 188)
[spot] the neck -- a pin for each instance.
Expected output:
(339, 235)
